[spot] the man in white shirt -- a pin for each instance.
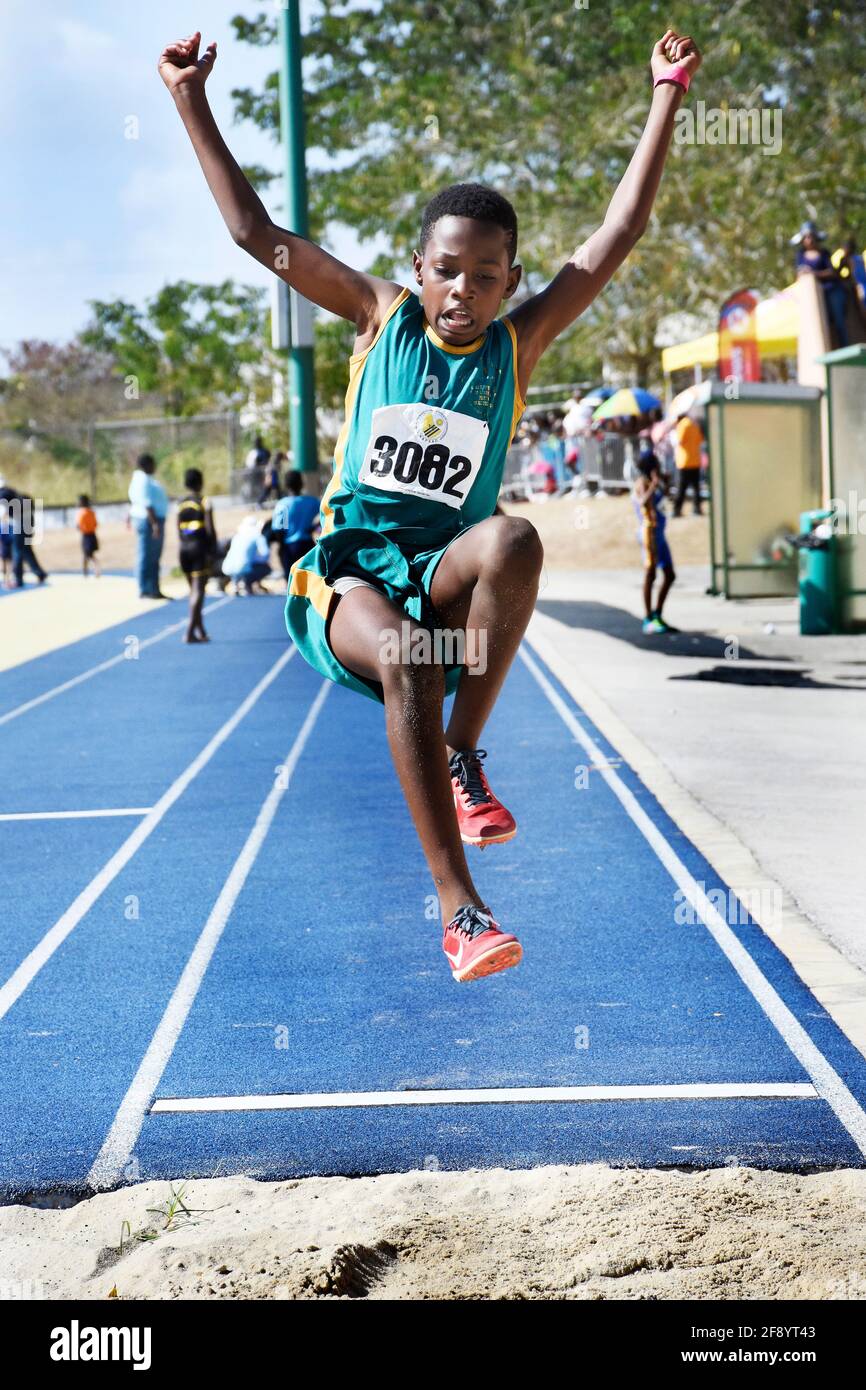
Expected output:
(577, 416)
(148, 508)
(247, 561)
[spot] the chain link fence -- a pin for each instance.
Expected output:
(98, 458)
(249, 484)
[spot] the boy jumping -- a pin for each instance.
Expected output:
(410, 543)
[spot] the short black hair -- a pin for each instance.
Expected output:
(147, 463)
(83, 500)
(193, 479)
(294, 481)
(471, 200)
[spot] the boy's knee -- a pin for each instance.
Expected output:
(513, 541)
(409, 672)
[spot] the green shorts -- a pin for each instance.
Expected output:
(389, 562)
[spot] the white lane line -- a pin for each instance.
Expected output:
(112, 1158)
(826, 1079)
(336, 1100)
(41, 953)
(836, 982)
(75, 815)
(105, 665)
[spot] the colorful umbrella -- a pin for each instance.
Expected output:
(631, 400)
(598, 393)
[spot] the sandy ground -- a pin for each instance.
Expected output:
(590, 533)
(550, 1233)
(69, 609)
(584, 533)
(61, 550)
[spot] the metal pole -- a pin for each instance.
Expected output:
(302, 402)
(230, 454)
(90, 450)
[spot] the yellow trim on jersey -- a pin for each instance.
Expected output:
(392, 309)
(356, 367)
(519, 402)
(448, 347)
(304, 584)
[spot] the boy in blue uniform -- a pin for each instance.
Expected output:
(295, 517)
(410, 541)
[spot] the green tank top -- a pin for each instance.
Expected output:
(427, 427)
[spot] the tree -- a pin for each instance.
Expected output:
(51, 385)
(48, 401)
(188, 345)
(547, 102)
(334, 341)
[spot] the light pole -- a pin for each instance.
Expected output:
(301, 383)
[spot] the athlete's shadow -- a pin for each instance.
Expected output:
(616, 622)
(795, 678)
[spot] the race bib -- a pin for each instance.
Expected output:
(424, 451)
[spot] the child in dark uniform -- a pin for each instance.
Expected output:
(648, 496)
(197, 547)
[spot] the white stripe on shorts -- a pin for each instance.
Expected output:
(347, 582)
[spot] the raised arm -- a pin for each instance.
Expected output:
(542, 318)
(353, 295)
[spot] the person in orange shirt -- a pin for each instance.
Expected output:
(86, 523)
(688, 461)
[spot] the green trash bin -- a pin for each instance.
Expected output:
(819, 592)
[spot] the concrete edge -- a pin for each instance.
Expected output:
(837, 984)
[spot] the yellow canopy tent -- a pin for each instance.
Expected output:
(778, 329)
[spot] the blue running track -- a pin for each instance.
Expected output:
(242, 972)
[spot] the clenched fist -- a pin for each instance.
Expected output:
(673, 50)
(180, 66)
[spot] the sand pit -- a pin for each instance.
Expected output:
(548, 1233)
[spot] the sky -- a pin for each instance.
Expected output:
(89, 213)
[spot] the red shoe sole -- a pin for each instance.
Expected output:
(482, 840)
(496, 959)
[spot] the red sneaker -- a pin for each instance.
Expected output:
(483, 820)
(475, 946)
